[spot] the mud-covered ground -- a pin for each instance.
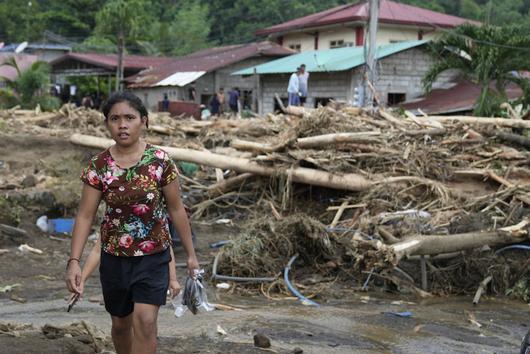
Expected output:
(347, 321)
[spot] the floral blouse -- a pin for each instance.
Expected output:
(136, 220)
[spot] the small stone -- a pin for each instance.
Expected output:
(29, 181)
(262, 341)
(297, 350)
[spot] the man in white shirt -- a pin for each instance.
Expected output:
(293, 90)
(302, 84)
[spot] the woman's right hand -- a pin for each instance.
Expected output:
(73, 278)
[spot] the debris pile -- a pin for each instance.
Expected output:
(416, 201)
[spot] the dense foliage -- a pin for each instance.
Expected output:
(489, 56)
(175, 27)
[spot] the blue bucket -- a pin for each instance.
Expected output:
(61, 225)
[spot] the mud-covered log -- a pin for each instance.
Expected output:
(502, 122)
(430, 245)
(228, 184)
(339, 138)
(514, 139)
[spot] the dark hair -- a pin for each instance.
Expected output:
(131, 99)
(302, 66)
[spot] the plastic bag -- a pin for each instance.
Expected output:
(193, 297)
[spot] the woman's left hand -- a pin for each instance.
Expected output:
(174, 287)
(192, 265)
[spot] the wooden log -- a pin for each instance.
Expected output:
(161, 130)
(254, 146)
(429, 245)
(12, 231)
(514, 139)
(228, 184)
(340, 138)
(389, 117)
(308, 143)
(352, 182)
(503, 122)
(481, 289)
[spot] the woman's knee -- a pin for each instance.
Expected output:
(121, 325)
(145, 321)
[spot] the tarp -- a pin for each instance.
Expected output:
(339, 59)
(180, 78)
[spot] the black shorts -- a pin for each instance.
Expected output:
(303, 99)
(234, 108)
(127, 280)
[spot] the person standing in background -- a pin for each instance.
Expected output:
(302, 80)
(221, 99)
(233, 100)
(293, 90)
(165, 103)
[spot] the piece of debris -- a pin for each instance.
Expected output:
(223, 286)
(262, 341)
(26, 248)
(221, 331)
(298, 350)
(8, 288)
(29, 181)
(17, 298)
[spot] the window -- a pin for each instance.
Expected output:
(395, 98)
(297, 47)
(339, 43)
(246, 99)
(322, 101)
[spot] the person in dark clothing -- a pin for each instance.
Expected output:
(233, 100)
(165, 103)
(215, 105)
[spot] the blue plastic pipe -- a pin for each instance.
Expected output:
(513, 247)
(292, 288)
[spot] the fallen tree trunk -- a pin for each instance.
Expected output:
(503, 122)
(228, 184)
(514, 139)
(339, 138)
(259, 147)
(430, 245)
(350, 181)
(309, 142)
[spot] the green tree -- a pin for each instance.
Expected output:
(31, 85)
(190, 29)
(121, 21)
(484, 55)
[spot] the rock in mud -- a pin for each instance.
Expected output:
(262, 341)
(29, 181)
(297, 350)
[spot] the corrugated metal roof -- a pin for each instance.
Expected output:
(389, 12)
(207, 60)
(110, 61)
(181, 78)
(459, 98)
(339, 59)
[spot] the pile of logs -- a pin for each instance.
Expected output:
(389, 169)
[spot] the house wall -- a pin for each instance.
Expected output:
(333, 85)
(205, 86)
(385, 34)
(400, 73)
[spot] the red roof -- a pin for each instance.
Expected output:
(459, 98)
(110, 61)
(389, 12)
(208, 60)
(24, 61)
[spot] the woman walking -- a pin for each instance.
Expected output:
(139, 185)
